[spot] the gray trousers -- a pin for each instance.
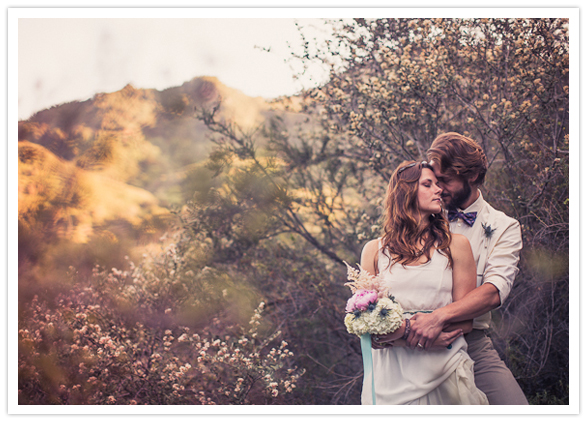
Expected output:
(491, 374)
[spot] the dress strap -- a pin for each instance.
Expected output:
(376, 257)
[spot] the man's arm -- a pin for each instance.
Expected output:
(501, 267)
(477, 302)
(500, 271)
(463, 279)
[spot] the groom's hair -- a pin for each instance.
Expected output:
(459, 156)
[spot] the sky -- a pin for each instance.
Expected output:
(66, 55)
(66, 59)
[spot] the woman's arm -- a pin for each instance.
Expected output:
(464, 278)
(368, 256)
(464, 270)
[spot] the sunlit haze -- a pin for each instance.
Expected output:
(62, 60)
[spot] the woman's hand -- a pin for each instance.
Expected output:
(381, 341)
(386, 340)
(379, 345)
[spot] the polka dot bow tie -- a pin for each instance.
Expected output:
(468, 217)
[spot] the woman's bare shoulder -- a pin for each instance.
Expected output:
(369, 250)
(459, 243)
(371, 246)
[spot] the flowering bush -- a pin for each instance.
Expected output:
(89, 348)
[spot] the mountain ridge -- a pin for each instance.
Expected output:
(118, 151)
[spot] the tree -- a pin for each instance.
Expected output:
(398, 83)
(395, 84)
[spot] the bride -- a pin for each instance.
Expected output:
(426, 267)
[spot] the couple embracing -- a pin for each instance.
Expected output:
(449, 258)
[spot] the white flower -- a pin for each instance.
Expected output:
(386, 317)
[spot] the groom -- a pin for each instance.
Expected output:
(460, 166)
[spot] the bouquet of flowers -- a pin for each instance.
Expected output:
(371, 309)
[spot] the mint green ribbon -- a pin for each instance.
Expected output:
(417, 311)
(368, 362)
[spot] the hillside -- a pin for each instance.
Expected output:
(97, 178)
(145, 137)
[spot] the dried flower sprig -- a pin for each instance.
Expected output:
(361, 279)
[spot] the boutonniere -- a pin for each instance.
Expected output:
(487, 230)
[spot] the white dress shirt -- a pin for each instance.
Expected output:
(496, 253)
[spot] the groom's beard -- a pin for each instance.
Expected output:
(456, 200)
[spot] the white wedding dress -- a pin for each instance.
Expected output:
(415, 377)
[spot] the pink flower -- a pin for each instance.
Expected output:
(361, 300)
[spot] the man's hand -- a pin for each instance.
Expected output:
(445, 339)
(442, 342)
(425, 328)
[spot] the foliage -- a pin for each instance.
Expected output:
(254, 225)
(98, 178)
(117, 340)
(395, 84)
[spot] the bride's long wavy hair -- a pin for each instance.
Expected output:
(402, 228)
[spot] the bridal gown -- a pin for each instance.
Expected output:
(417, 377)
